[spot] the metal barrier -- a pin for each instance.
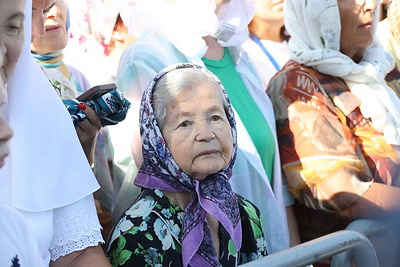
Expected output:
(321, 248)
(369, 228)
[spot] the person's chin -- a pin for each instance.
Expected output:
(211, 167)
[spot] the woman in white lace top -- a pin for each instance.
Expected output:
(47, 178)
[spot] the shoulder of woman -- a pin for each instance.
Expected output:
(293, 79)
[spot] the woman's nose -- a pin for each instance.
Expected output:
(204, 131)
(370, 5)
(53, 12)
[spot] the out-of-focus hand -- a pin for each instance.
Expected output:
(88, 130)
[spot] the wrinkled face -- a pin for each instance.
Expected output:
(270, 11)
(5, 131)
(40, 8)
(356, 18)
(11, 35)
(55, 37)
(197, 131)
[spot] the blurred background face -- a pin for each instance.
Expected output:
(270, 11)
(11, 35)
(40, 8)
(55, 37)
(357, 22)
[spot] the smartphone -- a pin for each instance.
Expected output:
(96, 91)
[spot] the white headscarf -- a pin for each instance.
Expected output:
(184, 22)
(103, 15)
(314, 27)
(47, 167)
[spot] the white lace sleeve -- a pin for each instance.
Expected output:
(76, 227)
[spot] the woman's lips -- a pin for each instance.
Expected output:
(52, 28)
(207, 152)
(278, 3)
(367, 24)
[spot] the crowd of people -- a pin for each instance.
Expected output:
(218, 131)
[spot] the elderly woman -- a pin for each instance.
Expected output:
(187, 214)
(211, 37)
(338, 122)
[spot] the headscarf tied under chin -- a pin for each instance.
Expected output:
(314, 27)
(213, 195)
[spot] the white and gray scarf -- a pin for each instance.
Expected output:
(314, 27)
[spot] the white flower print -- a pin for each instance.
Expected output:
(163, 233)
(174, 228)
(261, 245)
(122, 226)
(167, 213)
(143, 226)
(159, 193)
(180, 216)
(142, 208)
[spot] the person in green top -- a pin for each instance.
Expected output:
(251, 116)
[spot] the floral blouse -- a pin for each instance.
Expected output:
(148, 234)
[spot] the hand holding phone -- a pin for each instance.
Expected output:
(108, 103)
(96, 91)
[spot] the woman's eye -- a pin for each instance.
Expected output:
(215, 118)
(15, 30)
(184, 124)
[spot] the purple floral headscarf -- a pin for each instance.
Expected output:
(213, 195)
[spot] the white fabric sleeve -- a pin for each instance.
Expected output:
(76, 226)
(18, 245)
